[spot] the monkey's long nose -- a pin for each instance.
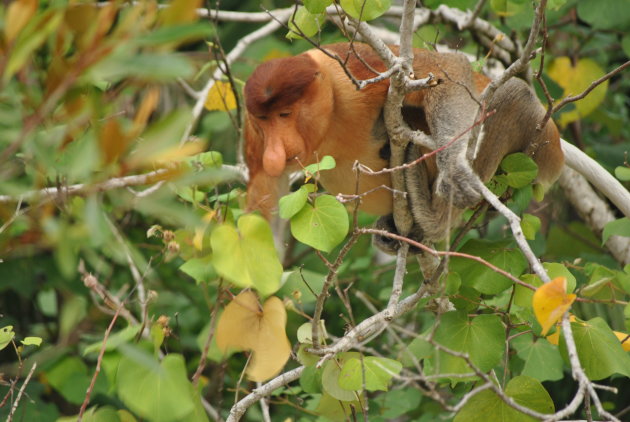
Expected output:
(274, 158)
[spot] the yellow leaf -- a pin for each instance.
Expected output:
(200, 231)
(624, 339)
(221, 97)
(181, 11)
(18, 15)
(244, 326)
(574, 80)
(551, 301)
(176, 153)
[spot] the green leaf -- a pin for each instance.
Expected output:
(127, 62)
(247, 257)
(200, 269)
(70, 378)
(6, 335)
(32, 341)
(604, 14)
(625, 45)
(159, 393)
(302, 286)
(482, 338)
(530, 225)
(311, 380)
(418, 348)
(555, 269)
(623, 173)
(114, 340)
(478, 275)
(305, 24)
(601, 284)
(378, 373)
(326, 163)
(619, 227)
(292, 203)
(486, 406)
(322, 225)
(317, 6)
(72, 313)
(37, 31)
(400, 402)
(542, 359)
(522, 295)
(599, 350)
(305, 332)
(175, 33)
(365, 10)
(306, 358)
(521, 170)
(330, 377)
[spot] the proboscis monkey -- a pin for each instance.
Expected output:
(302, 108)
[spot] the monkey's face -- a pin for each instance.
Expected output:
(283, 145)
(292, 133)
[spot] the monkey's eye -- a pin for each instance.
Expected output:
(285, 114)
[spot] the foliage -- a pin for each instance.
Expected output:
(138, 269)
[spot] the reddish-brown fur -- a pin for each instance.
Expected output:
(302, 108)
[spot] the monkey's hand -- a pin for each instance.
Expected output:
(387, 244)
(457, 182)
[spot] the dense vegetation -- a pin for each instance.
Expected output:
(122, 217)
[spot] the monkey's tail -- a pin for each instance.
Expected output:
(597, 176)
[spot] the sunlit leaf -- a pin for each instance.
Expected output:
(247, 257)
(326, 163)
(221, 97)
(322, 225)
(6, 335)
(317, 6)
(292, 203)
(19, 13)
(377, 371)
(551, 301)
(304, 333)
(304, 23)
(574, 80)
(32, 341)
(530, 224)
(365, 10)
(245, 326)
(180, 11)
(31, 37)
(330, 377)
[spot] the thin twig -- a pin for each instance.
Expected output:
(21, 392)
(98, 365)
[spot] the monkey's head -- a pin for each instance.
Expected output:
(289, 105)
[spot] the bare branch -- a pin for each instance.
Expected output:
(21, 392)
